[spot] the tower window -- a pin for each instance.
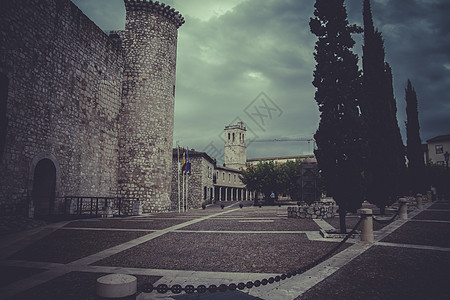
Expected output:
(228, 136)
(233, 136)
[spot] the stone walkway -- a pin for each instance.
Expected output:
(211, 246)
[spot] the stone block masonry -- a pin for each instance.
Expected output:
(147, 119)
(316, 210)
(86, 115)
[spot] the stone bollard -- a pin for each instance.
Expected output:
(403, 209)
(429, 197)
(116, 286)
(367, 225)
(419, 201)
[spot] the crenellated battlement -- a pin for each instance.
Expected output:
(164, 10)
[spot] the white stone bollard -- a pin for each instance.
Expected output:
(419, 202)
(116, 286)
(367, 225)
(429, 197)
(403, 209)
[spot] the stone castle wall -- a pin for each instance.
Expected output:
(64, 96)
(150, 40)
(316, 210)
(101, 111)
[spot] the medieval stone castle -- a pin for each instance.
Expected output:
(84, 113)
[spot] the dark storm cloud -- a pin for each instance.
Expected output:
(259, 46)
(230, 51)
(417, 44)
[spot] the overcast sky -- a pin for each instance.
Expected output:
(252, 60)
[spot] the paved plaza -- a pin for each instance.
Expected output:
(410, 259)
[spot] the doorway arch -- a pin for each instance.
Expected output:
(44, 187)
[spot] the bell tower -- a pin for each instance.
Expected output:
(235, 146)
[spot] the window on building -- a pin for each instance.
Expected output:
(229, 136)
(223, 176)
(439, 149)
(235, 178)
(229, 177)
(205, 191)
(233, 136)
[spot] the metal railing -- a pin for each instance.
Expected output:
(114, 206)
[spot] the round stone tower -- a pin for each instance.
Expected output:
(235, 146)
(145, 143)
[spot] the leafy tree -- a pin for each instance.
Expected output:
(288, 179)
(338, 81)
(261, 178)
(266, 177)
(416, 163)
(385, 162)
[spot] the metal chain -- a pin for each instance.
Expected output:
(391, 219)
(190, 289)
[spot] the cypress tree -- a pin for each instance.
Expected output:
(338, 83)
(416, 162)
(398, 154)
(384, 162)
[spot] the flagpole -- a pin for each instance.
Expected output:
(178, 179)
(187, 178)
(187, 189)
(183, 179)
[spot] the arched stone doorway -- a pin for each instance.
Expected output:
(44, 188)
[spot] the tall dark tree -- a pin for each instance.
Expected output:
(338, 82)
(416, 162)
(385, 161)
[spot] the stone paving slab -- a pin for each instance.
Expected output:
(287, 289)
(421, 233)
(11, 274)
(265, 224)
(444, 206)
(149, 224)
(64, 246)
(388, 273)
(443, 215)
(222, 252)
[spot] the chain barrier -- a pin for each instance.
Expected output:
(190, 289)
(392, 218)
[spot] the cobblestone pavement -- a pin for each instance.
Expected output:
(223, 246)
